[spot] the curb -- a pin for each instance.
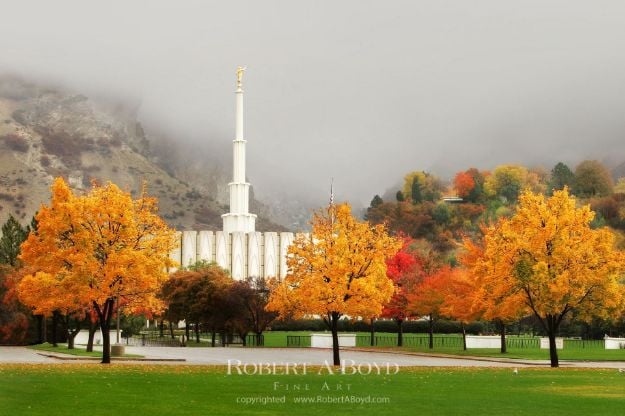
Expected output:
(78, 358)
(457, 357)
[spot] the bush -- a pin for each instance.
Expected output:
(15, 142)
(386, 325)
(66, 146)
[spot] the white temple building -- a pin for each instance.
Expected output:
(238, 248)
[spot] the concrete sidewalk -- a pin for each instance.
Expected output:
(311, 356)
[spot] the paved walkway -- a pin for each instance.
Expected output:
(236, 355)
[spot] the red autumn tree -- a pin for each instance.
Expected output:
(13, 318)
(470, 184)
(464, 184)
(405, 269)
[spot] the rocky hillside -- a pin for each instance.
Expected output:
(46, 133)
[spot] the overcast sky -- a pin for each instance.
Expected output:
(361, 91)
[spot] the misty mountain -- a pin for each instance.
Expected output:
(46, 132)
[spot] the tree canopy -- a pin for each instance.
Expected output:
(339, 270)
(97, 249)
(592, 178)
(548, 260)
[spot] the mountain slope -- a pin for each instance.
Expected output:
(46, 133)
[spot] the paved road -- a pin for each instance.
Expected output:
(236, 355)
(22, 355)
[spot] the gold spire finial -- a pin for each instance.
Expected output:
(240, 70)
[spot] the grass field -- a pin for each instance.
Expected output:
(196, 390)
(589, 354)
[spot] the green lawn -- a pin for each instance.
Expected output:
(572, 349)
(590, 354)
(197, 390)
(78, 350)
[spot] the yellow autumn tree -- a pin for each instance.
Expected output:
(95, 251)
(492, 299)
(340, 269)
(549, 259)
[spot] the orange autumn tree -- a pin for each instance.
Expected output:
(428, 297)
(47, 296)
(340, 269)
(95, 250)
(549, 258)
(494, 299)
(459, 292)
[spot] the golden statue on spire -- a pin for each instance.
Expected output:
(240, 70)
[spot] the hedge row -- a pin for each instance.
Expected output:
(441, 326)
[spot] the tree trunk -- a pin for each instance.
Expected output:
(186, 328)
(334, 320)
(92, 328)
(44, 329)
(502, 332)
(243, 340)
(431, 332)
(40, 336)
(400, 332)
(197, 332)
(259, 339)
(161, 329)
(171, 330)
(54, 328)
(71, 334)
(224, 339)
(552, 328)
(464, 337)
(372, 332)
(106, 341)
(104, 316)
(70, 339)
(213, 338)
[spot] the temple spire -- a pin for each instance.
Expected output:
(239, 219)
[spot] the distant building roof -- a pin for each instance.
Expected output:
(452, 199)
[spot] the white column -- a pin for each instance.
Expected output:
(286, 239)
(222, 250)
(238, 254)
(271, 254)
(189, 248)
(205, 246)
(239, 141)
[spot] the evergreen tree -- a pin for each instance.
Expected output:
(376, 201)
(416, 191)
(13, 234)
(400, 196)
(34, 224)
(561, 176)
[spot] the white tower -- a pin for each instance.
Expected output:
(239, 219)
